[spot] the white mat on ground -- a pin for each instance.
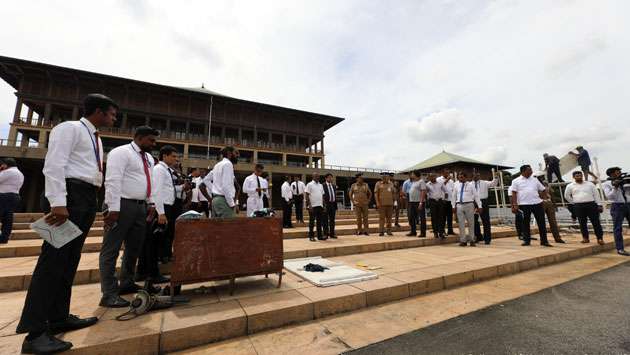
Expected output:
(337, 274)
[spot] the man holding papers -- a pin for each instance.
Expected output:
(73, 172)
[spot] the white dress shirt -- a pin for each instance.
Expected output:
(196, 195)
(614, 194)
(265, 186)
(315, 192)
(287, 194)
(163, 188)
(469, 193)
(251, 183)
(207, 182)
(125, 176)
(448, 186)
(298, 188)
(71, 154)
(223, 181)
(482, 187)
(527, 190)
(11, 181)
(436, 190)
(580, 193)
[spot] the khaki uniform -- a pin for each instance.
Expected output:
(550, 210)
(361, 196)
(385, 194)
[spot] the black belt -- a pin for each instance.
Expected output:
(79, 182)
(139, 202)
(464, 203)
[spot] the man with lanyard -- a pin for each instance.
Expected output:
(165, 192)
(11, 180)
(482, 187)
(466, 203)
(223, 188)
(298, 188)
(73, 172)
(616, 193)
(287, 199)
(253, 187)
(128, 200)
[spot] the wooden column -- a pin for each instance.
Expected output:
(187, 129)
(322, 145)
(310, 162)
(255, 157)
(185, 154)
(310, 145)
(18, 110)
(47, 113)
(29, 116)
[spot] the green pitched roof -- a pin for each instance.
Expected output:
(445, 158)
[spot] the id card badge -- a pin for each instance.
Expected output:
(98, 178)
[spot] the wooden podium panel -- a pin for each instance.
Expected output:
(222, 249)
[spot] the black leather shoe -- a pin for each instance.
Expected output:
(71, 323)
(366, 233)
(312, 239)
(390, 233)
(410, 234)
(113, 302)
(546, 245)
(381, 234)
(623, 252)
(45, 344)
(129, 289)
(533, 238)
(486, 243)
(526, 244)
(422, 236)
(463, 244)
(560, 241)
(473, 244)
(333, 236)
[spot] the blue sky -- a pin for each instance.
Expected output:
(501, 81)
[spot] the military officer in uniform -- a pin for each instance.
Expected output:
(384, 192)
(360, 195)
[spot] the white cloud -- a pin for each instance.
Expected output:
(447, 126)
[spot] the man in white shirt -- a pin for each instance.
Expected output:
(206, 190)
(587, 205)
(617, 190)
(483, 187)
(128, 199)
(435, 202)
(195, 179)
(11, 180)
(266, 197)
(203, 201)
(314, 196)
(253, 187)
(447, 181)
(73, 174)
(466, 202)
(223, 188)
(287, 199)
(526, 197)
(298, 188)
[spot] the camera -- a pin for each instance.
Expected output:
(621, 180)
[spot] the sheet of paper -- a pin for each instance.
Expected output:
(56, 236)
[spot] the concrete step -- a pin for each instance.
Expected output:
(16, 269)
(257, 305)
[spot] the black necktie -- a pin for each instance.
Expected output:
(259, 191)
(173, 182)
(330, 192)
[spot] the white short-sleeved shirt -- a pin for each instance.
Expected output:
(527, 190)
(315, 192)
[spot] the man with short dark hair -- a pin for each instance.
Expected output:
(255, 190)
(483, 187)
(526, 197)
(616, 193)
(73, 172)
(128, 200)
(587, 204)
(223, 189)
(447, 181)
(287, 200)
(298, 188)
(584, 161)
(330, 206)
(436, 193)
(11, 180)
(466, 202)
(314, 197)
(266, 197)
(416, 196)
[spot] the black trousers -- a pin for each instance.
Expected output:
(412, 215)
(329, 219)
(265, 201)
(448, 216)
(584, 212)
(485, 221)
(9, 202)
(204, 207)
(518, 223)
(539, 215)
(286, 213)
(554, 170)
(165, 240)
(436, 207)
(148, 259)
(298, 200)
(48, 297)
(315, 218)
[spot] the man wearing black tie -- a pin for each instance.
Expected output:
(129, 200)
(73, 172)
(298, 189)
(330, 204)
